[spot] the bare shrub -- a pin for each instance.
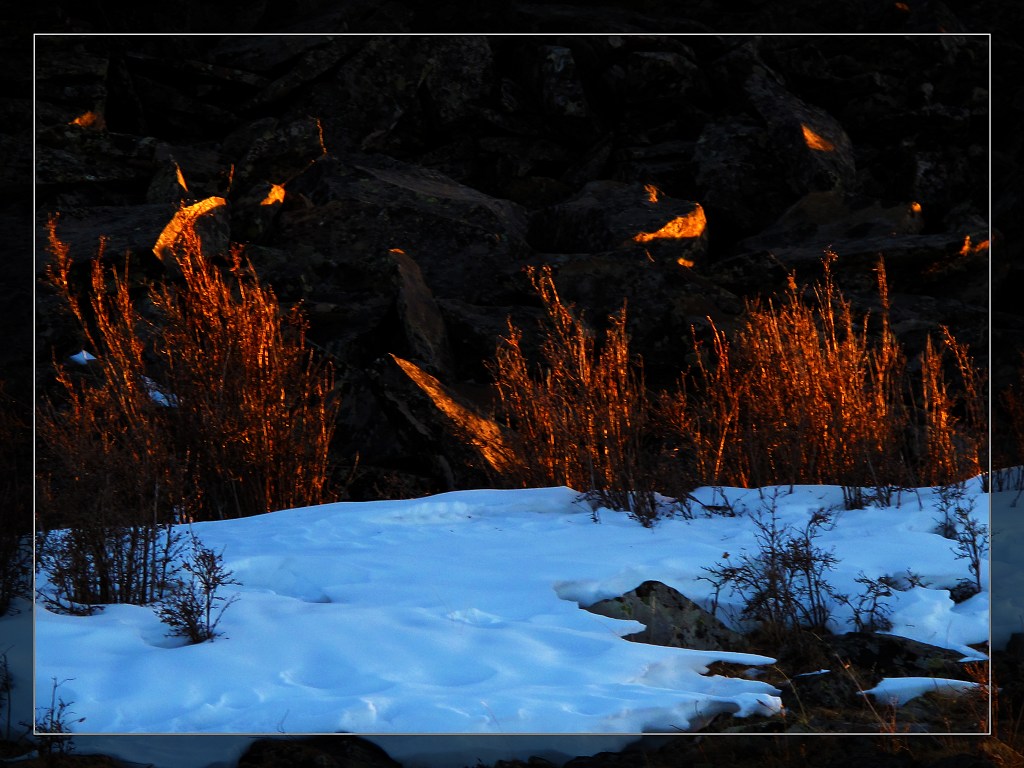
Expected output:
(870, 610)
(972, 541)
(783, 583)
(191, 609)
(579, 417)
(108, 481)
(209, 405)
(53, 725)
(101, 564)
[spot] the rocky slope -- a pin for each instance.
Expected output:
(420, 175)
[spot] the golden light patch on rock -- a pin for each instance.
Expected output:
(275, 195)
(89, 119)
(182, 221)
(690, 225)
(482, 434)
(816, 141)
(181, 177)
(968, 248)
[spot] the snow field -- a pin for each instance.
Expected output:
(459, 613)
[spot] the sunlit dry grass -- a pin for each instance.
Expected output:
(579, 416)
(248, 413)
(803, 392)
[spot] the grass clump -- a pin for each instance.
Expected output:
(805, 394)
(203, 402)
(579, 417)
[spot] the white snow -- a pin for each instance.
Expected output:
(82, 358)
(898, 691)
(1007, 565)
(459, 613)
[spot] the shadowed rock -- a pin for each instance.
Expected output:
(671, 618)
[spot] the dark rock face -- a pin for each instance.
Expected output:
(398, 186)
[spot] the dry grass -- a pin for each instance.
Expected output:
(243, 427)
(255, 410)
(580, 416)
(804, 394)
(954, 445)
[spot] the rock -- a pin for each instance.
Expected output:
(464, 241)
(271, 151)
(442, 432)
(133, 229)
(658, 76)
(824, 216)
(833, 689)
(561, 92)
(385, 92)
(70, 156)
(663, 301)
(340, 751)
(812, 146)
(741, 178)
(606, 216)
(424, 326)
(894, 656)
(671, 619)
(186, 174)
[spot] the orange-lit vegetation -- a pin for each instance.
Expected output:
(580, 416)
(253, 414)
(807, 400)
(802, 393)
